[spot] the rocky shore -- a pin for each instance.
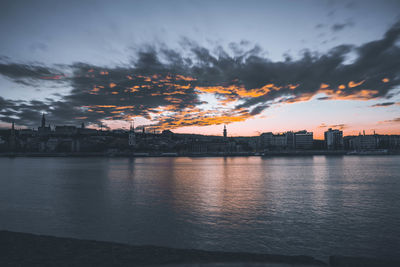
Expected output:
(21, 249)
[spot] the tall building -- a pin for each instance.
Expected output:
(333, 139)
(132, 136)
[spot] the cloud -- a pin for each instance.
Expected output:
(384, 104)
(334, 126)
(29, 74)
(339, 126)
(202, 86)
(395, 120)
(340, 26)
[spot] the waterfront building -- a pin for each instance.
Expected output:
(389, 141)
(279, 141)
(364, 142)
(266, 140)
(26, 133)
(303, 140)
(333, 139)
(290, 140)
(66, 130)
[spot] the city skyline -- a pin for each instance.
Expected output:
(328, 66)
(149, 129)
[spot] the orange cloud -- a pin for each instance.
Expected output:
(324, 86)
(104, 106)
(174, 99)
(181, 77)
(204, 118)
(177, 86)
(360, 95)
(352, 84)
(124, 107)
(236, 90)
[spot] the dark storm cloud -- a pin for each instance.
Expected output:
(164, 85)
(28, 74)
(106, 93)
(258, 109)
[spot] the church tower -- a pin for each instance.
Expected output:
(43, 121)
(132, 136)
(225, 132)
(42, 129)
(12, 140)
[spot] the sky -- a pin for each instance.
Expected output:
(193, 66)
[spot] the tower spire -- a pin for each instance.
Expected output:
(43, 120)
(225, 132)
(132, 125)
(132, 137)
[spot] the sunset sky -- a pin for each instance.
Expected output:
(193, 66)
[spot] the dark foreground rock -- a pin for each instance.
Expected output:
(341, 261)
(20, 249)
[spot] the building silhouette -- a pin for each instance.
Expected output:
(73, 139)
(333, 139)
(43, 129)
(132, 136)
(225, 134)
(12, 138)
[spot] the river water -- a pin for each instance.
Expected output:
(316, 206)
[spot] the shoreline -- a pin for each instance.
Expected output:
(291, 153)
(24, 249)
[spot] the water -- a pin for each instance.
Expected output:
(317, 206)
